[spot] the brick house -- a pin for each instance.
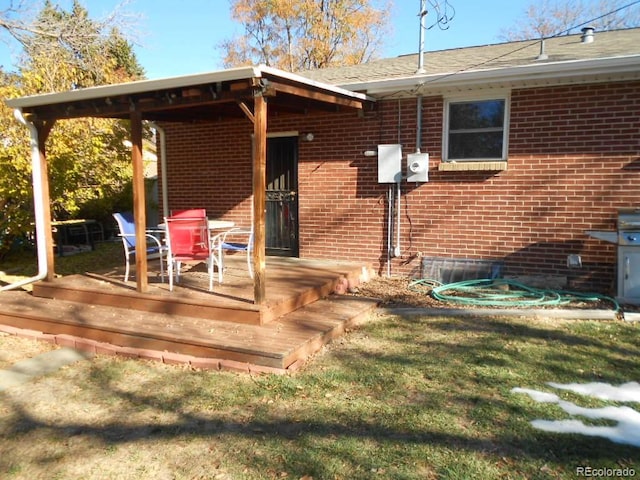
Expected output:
(528, 149)
(529, 145)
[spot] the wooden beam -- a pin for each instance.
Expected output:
(317, 95)
(119, 107)
(44, 128)
(259, 197)
(247, 111)
(139, 213)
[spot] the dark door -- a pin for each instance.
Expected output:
(282, 197)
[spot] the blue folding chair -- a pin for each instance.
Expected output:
(128, 235)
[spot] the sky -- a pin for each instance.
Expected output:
(180, 38)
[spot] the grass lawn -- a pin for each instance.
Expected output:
(106, 255)
(400, 398)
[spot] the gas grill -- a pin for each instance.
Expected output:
(627, 238)
(628, 227)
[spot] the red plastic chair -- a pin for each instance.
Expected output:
(191, 213)
(188, 241)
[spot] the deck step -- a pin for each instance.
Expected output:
(95, 291)
(291, 284)
(277, 344)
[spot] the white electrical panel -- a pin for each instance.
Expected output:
(389, 163)
(418, 167)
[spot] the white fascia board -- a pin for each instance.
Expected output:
(134, 87)
(142, 86)
(555, 71)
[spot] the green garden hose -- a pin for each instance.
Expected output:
(503, 293)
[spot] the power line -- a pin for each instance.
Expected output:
(532, 43)
(594, 19)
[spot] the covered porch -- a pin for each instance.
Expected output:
(250, 93)
(280, 286)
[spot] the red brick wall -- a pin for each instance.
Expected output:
(574, 158)
(209, 165)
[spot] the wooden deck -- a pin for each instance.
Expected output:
(299, 317)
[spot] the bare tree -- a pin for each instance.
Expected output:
(549, 18)
(24, 22)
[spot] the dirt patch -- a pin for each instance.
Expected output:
(406, 292)
(396, 292)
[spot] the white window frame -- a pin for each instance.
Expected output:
(478, 97)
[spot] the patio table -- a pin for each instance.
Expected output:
(67, 232)
(214, 225)
(216, 228)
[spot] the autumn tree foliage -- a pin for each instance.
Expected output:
(547, 18)
(305, 34)
(89, 163)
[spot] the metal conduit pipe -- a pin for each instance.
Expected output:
(423, 27)
(397, 251)
(419, 124)
(163, 166)
(36, 174)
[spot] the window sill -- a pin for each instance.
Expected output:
(497, 166)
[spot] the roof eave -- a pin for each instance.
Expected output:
(533, 74)
(132, 88)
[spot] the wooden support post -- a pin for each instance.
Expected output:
(44, 128)
(139, 213)
(259, 196)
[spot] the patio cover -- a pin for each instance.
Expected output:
(253, 92)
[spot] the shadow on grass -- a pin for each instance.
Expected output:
(420, 396)
(305, 447)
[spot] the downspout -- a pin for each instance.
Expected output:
(389, 227)
(36, 174)
(163, 167)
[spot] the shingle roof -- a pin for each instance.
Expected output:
(614, 43)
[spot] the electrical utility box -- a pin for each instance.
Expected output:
(418, 167)
(389, 163)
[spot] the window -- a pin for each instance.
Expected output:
(475, 130)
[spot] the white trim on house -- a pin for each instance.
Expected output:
(553, 73)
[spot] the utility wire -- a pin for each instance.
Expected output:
(533, 43)
(596, 18)
(523, 47)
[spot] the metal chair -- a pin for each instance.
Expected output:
(127, 229)
(188, 241)
(223, 244)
